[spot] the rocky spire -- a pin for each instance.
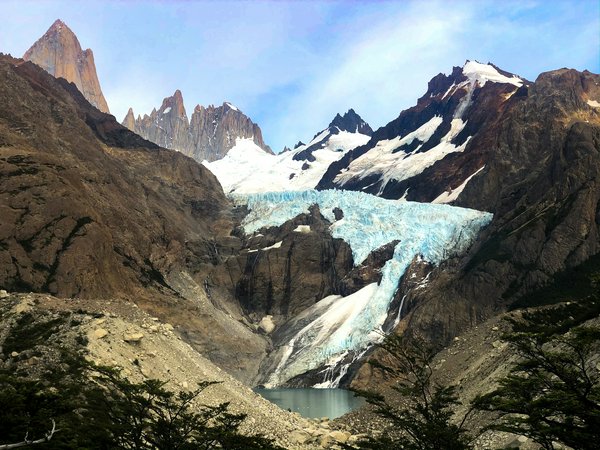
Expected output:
(352, 123)
(167, 127)
(208, 135)
(59, 53)
(129, 120)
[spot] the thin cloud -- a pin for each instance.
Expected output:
(291, 66)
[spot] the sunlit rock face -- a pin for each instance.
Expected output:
(208, 135)
(59, 53)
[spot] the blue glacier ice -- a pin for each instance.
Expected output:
(351, 324)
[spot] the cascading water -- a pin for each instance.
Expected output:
(341, 329)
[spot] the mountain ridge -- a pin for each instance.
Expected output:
(209, 134)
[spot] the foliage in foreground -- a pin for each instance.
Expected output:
(423, 421)
(553, 393)
(97, 408)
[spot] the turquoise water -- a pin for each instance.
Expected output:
(314, 403)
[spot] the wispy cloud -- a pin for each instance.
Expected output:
(291, 66)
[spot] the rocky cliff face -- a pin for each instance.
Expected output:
(59, 53)
(208, 135)
(408, 158)
(92, 210)
(541, 152)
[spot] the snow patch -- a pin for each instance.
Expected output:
(276, 245)
(302, 229)
(452, 194)
(482, 73)
(424, 132)
(593, 103)
(389, 165)
(167, 110)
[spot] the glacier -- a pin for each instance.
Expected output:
(337, 327)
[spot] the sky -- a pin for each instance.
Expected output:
(292, 65)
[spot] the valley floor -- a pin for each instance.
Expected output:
(121, 335)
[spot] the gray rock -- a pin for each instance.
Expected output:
(133, 337)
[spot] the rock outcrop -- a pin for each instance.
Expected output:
(59, 53)
(207, 136)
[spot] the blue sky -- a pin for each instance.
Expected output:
(291, 66)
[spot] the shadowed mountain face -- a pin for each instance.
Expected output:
(89, 209)
(538, 153)
(58, 52)
(84, 208)
(209, 135)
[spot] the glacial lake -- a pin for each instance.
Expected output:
(314, 403)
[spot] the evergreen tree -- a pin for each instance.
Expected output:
(94, 407)
(422, 418)
(553, 393)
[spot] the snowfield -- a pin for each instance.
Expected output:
(246, 168)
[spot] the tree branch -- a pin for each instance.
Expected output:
(26, 441)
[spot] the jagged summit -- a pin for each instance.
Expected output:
(208, 135)
(351, 122)
(59, 53)
(129, 120)
(173, 105)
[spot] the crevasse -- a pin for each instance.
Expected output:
(352, 323)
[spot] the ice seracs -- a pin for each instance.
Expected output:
(338, 329)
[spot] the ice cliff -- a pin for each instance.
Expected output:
(341, 326)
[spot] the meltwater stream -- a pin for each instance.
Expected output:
(335, 331)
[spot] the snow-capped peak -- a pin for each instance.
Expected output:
(231, 106)
(481, 73)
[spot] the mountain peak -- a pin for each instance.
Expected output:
(481, 73)
(58, 24)
(351, 122)
(59, 53)
(129, 120)
(173, 105)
